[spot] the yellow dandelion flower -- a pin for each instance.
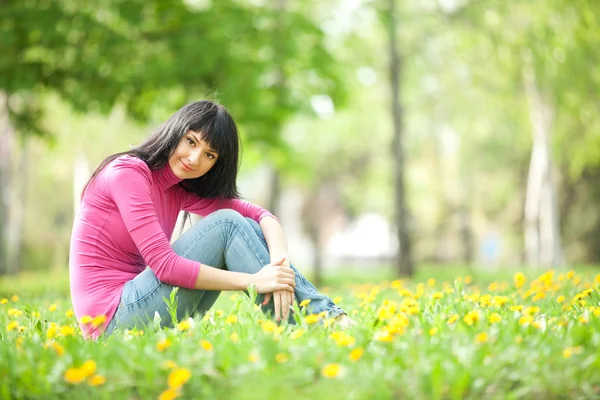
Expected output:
(97, 380)
(312, 319)
(163, 344)
(433, 331)
(560, 299)
(168, 364)
(437, 295)
(430, 282)
(537, 325)
(178, 377)
(253, 357)
(539, 296)
(532, 310)
(468, 280)
(67, 330)
(219, 313)
(583, 319)
(206, 345)
(52, 307)
(281, 358)
(22, 328)
(183, 326)
(52, 331)
(99, 320)
(356, 354)
(499, 301)
(331, 370)
(397, 284)
(516, 308)
(297, 333)
(269, 326)
(13, 312)
(74, 375)
(570, 274)
(383, 336)
(19, 342)
(471, 317)
(69, 313)
(86, 319)
(58, 348)
(596, 312)
(169, 394)
(3, 301)
(569, 351)
(481, 337)
(14, 298)
(597, 279)
(519, 339)
(495, 318)
(12, 326)
(519, 279)
(231, 319)
(525, 320)
(234, 337)
(89, 368)
(453, 318)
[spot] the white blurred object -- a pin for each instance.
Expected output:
(368, 237)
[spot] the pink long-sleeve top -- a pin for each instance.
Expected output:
(124, 224)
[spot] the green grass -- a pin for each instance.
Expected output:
(436, 339)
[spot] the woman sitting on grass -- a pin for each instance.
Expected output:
(128, 211)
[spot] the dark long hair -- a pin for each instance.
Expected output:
(216, 126)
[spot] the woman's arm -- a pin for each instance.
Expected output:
(271, 278)
(275, 238)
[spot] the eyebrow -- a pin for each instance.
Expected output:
(197, 139)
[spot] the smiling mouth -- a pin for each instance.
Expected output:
(185, 167)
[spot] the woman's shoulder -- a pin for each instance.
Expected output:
(126, 163)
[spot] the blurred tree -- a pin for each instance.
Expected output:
(153, 56)
(404, 262)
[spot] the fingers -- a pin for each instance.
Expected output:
(267, 298)
(277, 300)
(288, 305)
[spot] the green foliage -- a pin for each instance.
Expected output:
(172, 306)
(527, 336)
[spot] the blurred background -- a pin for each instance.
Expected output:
(385, 134)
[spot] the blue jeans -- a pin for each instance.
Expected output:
(223, 239)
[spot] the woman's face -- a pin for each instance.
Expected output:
(193, 157)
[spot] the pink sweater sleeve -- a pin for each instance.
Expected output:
(128, 182)
(203, 207)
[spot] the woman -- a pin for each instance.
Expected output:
(128, 211)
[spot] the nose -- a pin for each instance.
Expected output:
(194, 157)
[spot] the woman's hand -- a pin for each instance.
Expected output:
(274, 277)
(282, 300)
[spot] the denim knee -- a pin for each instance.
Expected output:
(226, 214)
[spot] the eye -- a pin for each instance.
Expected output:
(209, 155)
(191, 142)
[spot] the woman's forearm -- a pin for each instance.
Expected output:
(275, 238)
(210, 278)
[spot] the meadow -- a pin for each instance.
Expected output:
(447, 338)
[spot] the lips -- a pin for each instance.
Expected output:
(186, 167)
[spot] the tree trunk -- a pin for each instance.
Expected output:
(6, 144)
(404, 263)
(275, 191)
(17, 210)
(279, 42)
(542, 231)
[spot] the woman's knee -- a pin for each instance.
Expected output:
(226, 214)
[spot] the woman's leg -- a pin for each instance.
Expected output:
(224, 239)
(304, 289)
